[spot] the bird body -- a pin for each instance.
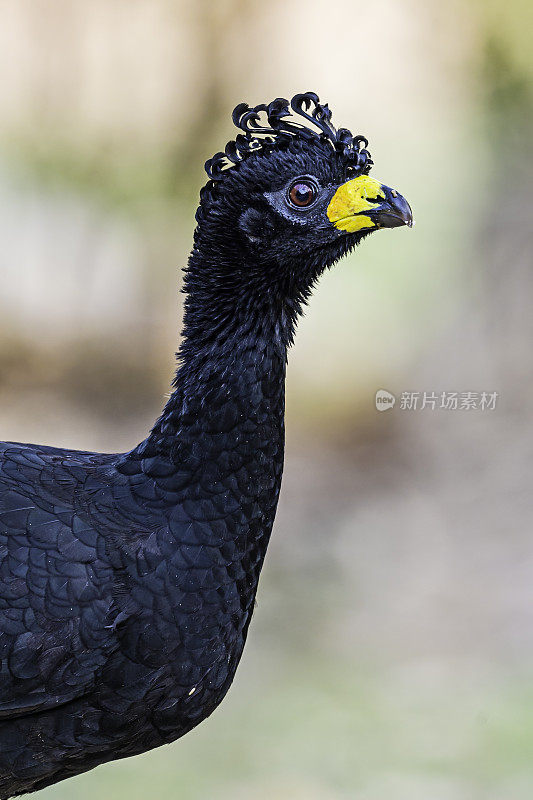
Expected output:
(127, 581)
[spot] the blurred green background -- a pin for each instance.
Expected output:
(391, 653)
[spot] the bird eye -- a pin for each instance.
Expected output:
(302, 194)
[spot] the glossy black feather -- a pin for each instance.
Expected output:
(127, 581)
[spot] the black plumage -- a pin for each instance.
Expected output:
(127, 581)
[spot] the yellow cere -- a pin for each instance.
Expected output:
(350, 200)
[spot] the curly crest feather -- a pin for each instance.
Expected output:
(274, 125)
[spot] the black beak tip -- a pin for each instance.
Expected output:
(400, 210)
(394, 212)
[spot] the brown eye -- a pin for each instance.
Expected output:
(302, 194)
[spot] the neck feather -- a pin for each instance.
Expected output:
(231, 361)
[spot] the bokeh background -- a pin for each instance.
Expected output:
(391, 653)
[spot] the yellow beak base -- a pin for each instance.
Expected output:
(350, 201)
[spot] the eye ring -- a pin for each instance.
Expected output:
(302, 193)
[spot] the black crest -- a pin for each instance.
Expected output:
(267, 127)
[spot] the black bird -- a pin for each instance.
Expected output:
(127, 581)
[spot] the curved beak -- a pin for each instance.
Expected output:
(364, 203)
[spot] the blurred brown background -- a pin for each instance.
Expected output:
(391, 654)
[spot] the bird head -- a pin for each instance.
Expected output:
(287, 198)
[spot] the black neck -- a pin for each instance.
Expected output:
(232, 361)
(214, 459)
